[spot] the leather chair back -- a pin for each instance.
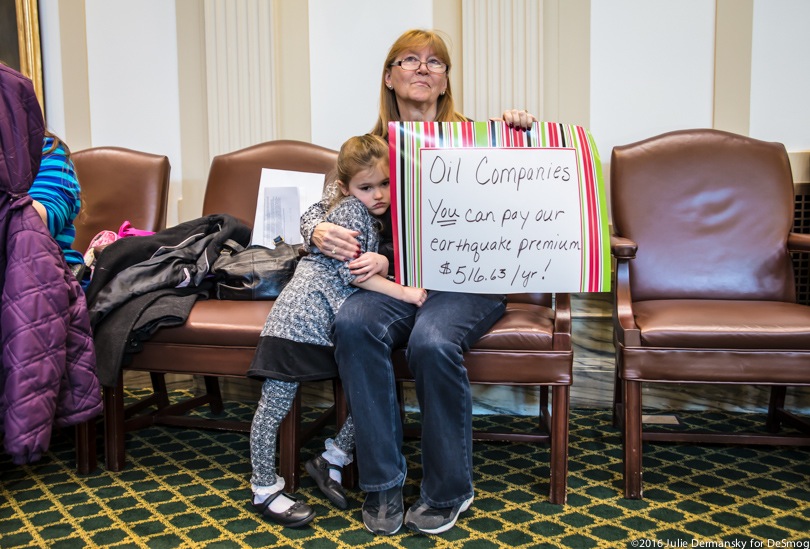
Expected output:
(120, 185)
(714, 217)
(233, 180)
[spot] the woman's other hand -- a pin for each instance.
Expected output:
(335, 241)
(522, 120)
(416, 296)
(367, 265)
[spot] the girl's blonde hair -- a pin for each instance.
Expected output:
(358, 153)
(415, 39)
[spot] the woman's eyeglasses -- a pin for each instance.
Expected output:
(411, 63)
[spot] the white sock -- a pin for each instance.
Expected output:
(335, 474)
(278, 505)
(335, 456)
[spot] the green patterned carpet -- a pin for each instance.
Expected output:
(187, 488)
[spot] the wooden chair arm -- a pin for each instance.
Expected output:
(627, 332)
(622, 247)
(798, 242)
(562, 321)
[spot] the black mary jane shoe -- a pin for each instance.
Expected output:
(318, 468)
(299, 514)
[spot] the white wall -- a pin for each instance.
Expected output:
(348, 41)
(651, 69)
(780, 73)
(133, 82)
(51, 59)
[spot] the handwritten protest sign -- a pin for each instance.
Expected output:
(478, 207)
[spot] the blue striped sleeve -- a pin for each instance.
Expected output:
(57, 189)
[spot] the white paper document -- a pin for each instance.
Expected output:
(283, 196)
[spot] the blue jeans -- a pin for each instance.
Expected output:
(367, 328)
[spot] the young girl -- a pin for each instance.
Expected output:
(57, 199)
(296, 345)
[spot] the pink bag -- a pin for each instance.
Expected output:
(127, 229)
(104, 238)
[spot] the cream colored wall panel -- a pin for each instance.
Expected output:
(571, 52)
(780, 79)
(193, 108)
(447, 19)
(133, 80)
(652, 68)
(64, 65)
(292, 62)
(503, 57)
(51, 38)
(800, 166)
(348, 44)
(732, 71)
(240, 71)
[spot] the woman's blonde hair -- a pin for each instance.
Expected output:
(415, 39)
(358, 153)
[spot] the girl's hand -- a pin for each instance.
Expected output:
(522, 120)
(416, 296)
(368, 265)
(335, 241)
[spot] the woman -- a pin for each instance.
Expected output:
(368, 326)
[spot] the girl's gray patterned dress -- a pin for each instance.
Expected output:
(306, 308)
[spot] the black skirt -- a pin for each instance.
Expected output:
(287, 360)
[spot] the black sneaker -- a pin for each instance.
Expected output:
(382, 511)
(425, 519)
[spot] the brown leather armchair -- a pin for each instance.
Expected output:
(704, 282)
(117, 185)
(120, 185)
(529, 346)
(219, 338)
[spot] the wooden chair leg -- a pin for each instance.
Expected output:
(776, 404)
(86, 458)
(632, 440)
(560, 399)
(160, 390)
(617, 392)
(289, 445)
(543, 405)
(114, 426)
(214, 394)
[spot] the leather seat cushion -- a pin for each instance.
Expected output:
(217, 322)
(518, 349)
(723, 324)
(524, 326)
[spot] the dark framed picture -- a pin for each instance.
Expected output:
(19, 39)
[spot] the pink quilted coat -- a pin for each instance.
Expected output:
(47, 367)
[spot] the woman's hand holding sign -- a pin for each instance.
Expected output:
(521, 120)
